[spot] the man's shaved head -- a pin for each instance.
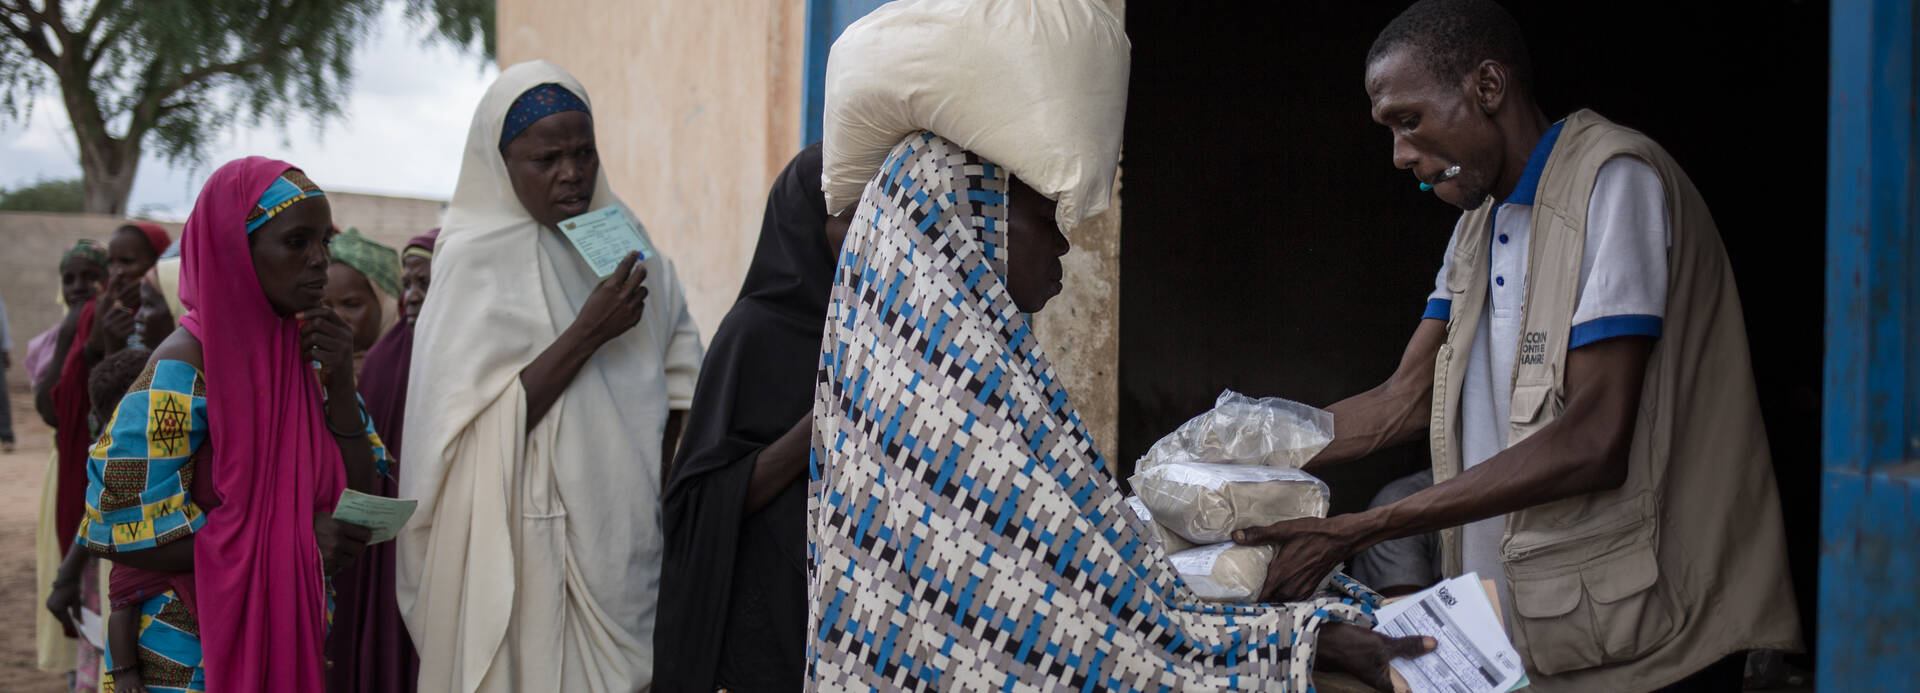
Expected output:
(1452, 37)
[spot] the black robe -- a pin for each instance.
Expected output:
(733, 605)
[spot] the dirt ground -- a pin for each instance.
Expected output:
(20, 476)
(20, 473)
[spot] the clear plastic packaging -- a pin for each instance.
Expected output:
(1224, 572)
(1169, 542)
(1271, 432)
(1205, 503)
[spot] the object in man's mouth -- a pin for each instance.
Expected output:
(1445, 176)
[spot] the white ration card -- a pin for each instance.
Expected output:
(604, 237)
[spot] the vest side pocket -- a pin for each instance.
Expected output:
(1549, 623)
(1589, 598)
(1633, 610)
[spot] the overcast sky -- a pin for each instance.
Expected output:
(401, 131)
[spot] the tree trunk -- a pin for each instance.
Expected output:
(107, 163)
(106, 175)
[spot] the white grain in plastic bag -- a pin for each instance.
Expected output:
(1274, 432)
(1036, 86)
(1169, 542)
(1224, 572)
(1205, 503)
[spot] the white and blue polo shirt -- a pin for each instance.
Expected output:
(1623, 292)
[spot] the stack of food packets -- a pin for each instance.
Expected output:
(1234, 467)
(1206, 502)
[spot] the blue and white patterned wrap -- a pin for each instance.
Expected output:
(962, 531)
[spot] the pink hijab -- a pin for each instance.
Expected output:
(263, 618)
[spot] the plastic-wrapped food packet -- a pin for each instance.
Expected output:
(1224, 572)
(1205, 503)
(1169, 542)
(1273, 432)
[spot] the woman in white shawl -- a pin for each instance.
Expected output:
(537, 411)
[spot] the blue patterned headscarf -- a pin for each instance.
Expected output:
(286, 189)
(951, 473)
(539, 102)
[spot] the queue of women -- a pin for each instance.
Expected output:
(880, 483)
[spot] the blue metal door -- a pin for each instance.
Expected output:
(1870, 526)
(825, 20)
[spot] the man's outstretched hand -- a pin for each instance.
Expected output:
(1305, 551)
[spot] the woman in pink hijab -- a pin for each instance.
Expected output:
(220, 470)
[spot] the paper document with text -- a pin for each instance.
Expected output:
(1474, 655)
(604, 237)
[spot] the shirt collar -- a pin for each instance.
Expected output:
(1529, 184)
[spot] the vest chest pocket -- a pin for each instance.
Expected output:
(1533, 407)
(1575, 610)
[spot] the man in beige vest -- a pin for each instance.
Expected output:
(1582, 373)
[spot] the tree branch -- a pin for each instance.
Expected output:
(152, 106)
(19, 32)
(23, 8)
(106, 42)
(148, 110)
(50, 16)
(99, 14)
(57, 20)
(189, 78)
(31, 35)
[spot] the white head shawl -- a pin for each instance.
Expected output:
(556, 528)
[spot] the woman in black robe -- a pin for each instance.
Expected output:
(733, 605)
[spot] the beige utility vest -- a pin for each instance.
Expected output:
(1637, 587)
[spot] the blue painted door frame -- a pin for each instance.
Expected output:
(825, 20)
(1870, 506)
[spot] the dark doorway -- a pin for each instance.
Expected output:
(1269, 246)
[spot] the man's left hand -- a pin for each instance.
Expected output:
(1306, 550)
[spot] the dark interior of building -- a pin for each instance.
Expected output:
(1269, 246)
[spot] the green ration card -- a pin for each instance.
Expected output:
(378, 513)
(604, 237)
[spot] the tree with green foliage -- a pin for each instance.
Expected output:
(46, 195)
(172, 74)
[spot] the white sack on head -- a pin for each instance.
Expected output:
(1037, 86)
(1206, 502)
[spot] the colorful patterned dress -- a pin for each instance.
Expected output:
(140, 496)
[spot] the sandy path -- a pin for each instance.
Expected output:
(20, 473)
